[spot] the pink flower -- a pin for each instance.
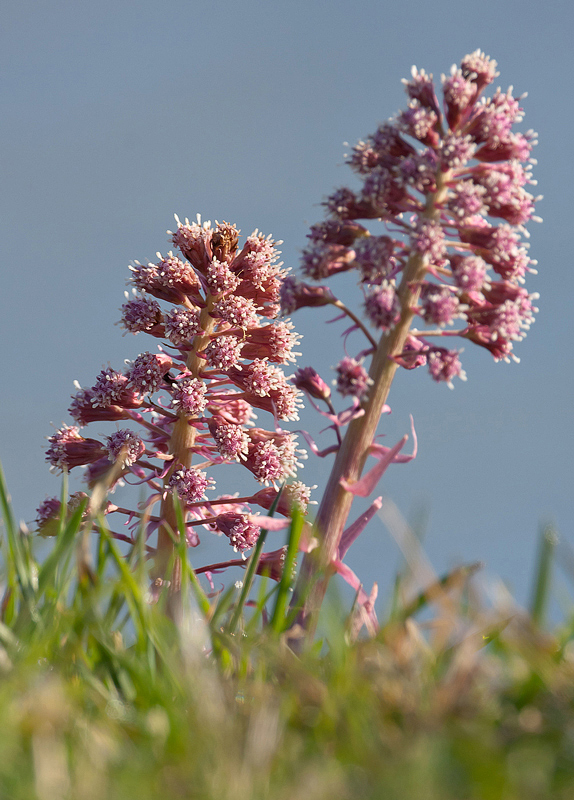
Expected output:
(189, 395)
(308, 380)
(292, 494)
(295, 294)
(83, 410)
(181, 325)
(68, 449)
(190, 484)
(274, 342)
(230, 439)
(195, 408)
(439, 304)
(146, 373)
(125, 443)
(382, 305)
(353, 379)
(444, 365)
(239, 529)
(444, 190)
(223, 352)
(142, 314)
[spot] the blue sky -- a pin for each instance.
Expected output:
(119, 114)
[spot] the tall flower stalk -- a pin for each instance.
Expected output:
(447, 180)
(195, 400)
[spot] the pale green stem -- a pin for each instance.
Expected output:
(181, 447)
(316, 568)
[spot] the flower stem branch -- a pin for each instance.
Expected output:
(356, 320)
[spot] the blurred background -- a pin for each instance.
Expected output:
(119, 114)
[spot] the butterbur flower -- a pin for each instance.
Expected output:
(193, 402)
(444, 365)
(272, 342)
(325, 259)
(85, 408)
(239, 529)
(125, 444)
(68, 449)
(113, 388)
(308, 380)
(237, 311)
(189, 394)
(223, 352)
(181, 325)
(469, 272)
(382, 305)
(272, 564)
(443, 203)
(142, 314)
(435, 235)
(293, 494)
(374, 255)
(171, 279)
(231, 440)
(439, 304)
(352, 379)
(189, 484)
(465, 225)
(145, 373)
(47, 512)
(296, 294)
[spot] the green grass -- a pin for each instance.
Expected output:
(101, 696)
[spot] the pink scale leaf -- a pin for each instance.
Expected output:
(364, 601)
(385, 456)
(356, 528)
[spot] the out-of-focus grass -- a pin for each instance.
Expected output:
(102, 696)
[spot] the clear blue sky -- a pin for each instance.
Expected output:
(119, 114)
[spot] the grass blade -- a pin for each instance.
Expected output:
(286, 584)
(542, 582)
(252, 568)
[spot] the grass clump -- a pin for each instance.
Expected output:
(102, 695)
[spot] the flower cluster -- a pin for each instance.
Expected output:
(449, 181)
(447, 184)
(215, 307)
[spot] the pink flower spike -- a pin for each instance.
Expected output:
(357, 527)
(364, 601)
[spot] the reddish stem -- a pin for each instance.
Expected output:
(316, 568)
(181, 446)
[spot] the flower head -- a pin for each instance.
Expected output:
(190, 484)
(450, 181)
(194, 400)
(68, 449)
(353, 379)
(239, 529)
